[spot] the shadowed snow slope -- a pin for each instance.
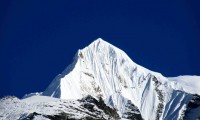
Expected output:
(103, 70)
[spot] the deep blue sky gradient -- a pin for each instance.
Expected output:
(38, 39)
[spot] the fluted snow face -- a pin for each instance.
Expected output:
(102, 70)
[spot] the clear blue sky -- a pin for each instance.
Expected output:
(38, 39)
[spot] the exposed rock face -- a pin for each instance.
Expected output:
(89, 102)
(192, 109)
(132, 112)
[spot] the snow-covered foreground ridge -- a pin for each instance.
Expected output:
(45, 108)
(104, 71)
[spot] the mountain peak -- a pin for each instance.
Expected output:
(105, 71)
(103, 66)
(99, 42)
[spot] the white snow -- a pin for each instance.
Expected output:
(189, 84)
(103, 70)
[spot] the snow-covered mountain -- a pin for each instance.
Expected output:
(106, 72)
